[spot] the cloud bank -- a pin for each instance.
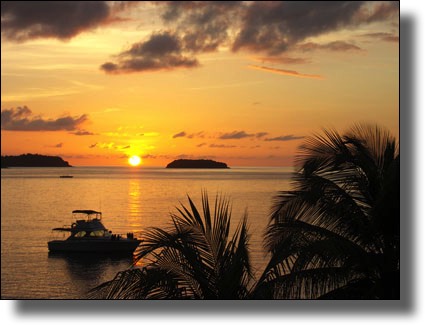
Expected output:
(26, 20)
(22, 119)
(162, 51)
(272, 28)
(268, 27)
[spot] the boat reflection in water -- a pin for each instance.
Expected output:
(85, 271)
(89, 235)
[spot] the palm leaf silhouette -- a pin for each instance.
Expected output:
(336, 234)
(194, 258)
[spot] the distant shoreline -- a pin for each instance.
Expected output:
(33, 160)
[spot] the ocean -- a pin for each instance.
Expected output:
(35, 200)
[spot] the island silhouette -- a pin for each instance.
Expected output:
(33, 160)
(196, 163)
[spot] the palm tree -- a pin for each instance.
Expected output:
(193, 259)
(336, 235)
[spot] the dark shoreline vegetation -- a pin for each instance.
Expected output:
(335, 235)
(196, 163)
(33, 160)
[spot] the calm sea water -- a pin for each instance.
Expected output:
(35, 200)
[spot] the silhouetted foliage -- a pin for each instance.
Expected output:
(33, 160)
(336, 235)
(195, 258)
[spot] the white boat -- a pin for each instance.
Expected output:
(89, 235)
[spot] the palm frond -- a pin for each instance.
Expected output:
(193, 258)
(342, 214)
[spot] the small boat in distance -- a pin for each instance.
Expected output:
(89, 235)
(66, 176)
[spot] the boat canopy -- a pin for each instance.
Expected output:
(89, 213)
(86, 211)
(62, 229)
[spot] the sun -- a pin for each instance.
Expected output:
(134, 160)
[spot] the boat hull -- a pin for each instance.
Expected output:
(94, 246)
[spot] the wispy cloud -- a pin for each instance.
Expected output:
(387, 37)
(179, 135)
(183, 134)
(213, 145)
(284, 138)
(284, 72)
(82, 132)
(235, 135)
(336, 46)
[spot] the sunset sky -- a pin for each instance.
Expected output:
(238, 82)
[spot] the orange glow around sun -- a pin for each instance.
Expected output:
(134, 160)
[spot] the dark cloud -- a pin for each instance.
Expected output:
(235, 135)
(204, 24)
(179, 135)
(21, 119)
(160, 44)
(82, 132)
(201, 144)
(271, 27)
(337, 46)
(162, 51)
(276, 27)
(285, 138)
(93, 145)
(387, 37)
(200, 11)
(378, 11)
(24, 20)
(200, 26)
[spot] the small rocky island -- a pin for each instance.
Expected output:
(196, 163)
(33, 160)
